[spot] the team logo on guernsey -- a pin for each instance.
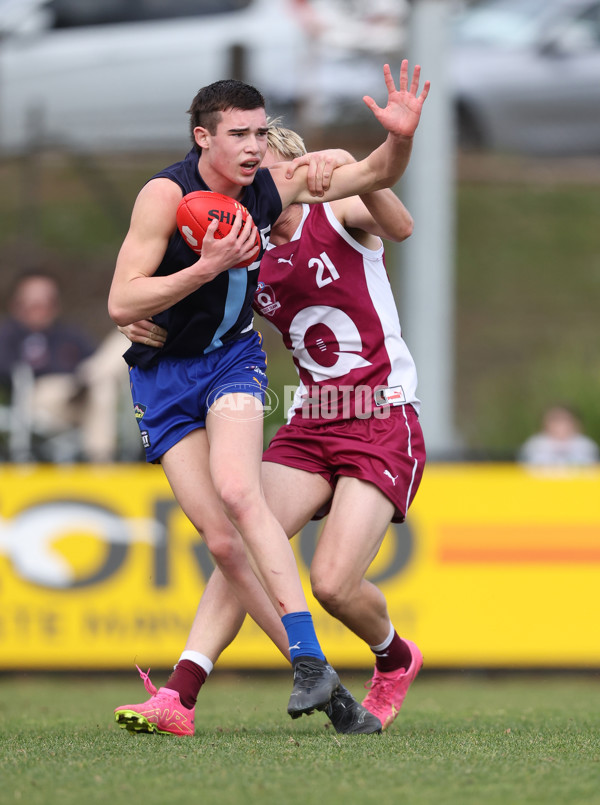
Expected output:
(326, 351)
(265, 301)
(139, 410)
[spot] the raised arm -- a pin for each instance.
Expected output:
(384, 166)
(380, 213)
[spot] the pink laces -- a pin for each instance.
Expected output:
(146, 680)
(380, 689)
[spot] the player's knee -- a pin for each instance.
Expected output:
(228, 551)
(329, 592)
(238, 499)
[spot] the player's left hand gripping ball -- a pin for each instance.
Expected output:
(197, 210)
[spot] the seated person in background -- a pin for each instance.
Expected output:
(66, 382)
(560, 442)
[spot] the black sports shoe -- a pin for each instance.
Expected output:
(348, 716)
(314, 682)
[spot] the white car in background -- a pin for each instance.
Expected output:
(120, 74)
(526, 76)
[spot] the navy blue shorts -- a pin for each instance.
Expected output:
(172, 398)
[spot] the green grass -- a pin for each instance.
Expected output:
(461, 739)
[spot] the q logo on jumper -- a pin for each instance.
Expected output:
(334, 351)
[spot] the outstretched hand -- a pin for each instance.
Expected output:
(403, 111)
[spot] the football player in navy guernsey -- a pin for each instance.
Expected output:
(200, 396)
(329, 457)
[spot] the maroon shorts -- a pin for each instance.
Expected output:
(389, 453)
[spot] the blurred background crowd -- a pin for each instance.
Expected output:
(93, 100)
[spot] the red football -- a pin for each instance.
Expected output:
(196, 211)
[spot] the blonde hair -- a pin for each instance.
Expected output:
(285, 142)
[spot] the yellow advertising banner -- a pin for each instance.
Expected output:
(495, 567)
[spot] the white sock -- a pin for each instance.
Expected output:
(200, 659)
(386, 642)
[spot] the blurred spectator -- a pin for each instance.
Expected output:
(561, 441)
(66, 390)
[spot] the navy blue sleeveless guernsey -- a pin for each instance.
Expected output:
(221, 310)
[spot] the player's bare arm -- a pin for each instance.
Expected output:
(136, 293)
(377, 214)
(380, 213)
(384, 166)
(321, 165)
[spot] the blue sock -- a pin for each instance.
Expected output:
(301, 635)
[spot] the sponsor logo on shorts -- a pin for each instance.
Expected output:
(145, 439)
(256, 370)
(139, 410)
(393, 479)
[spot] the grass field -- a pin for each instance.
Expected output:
(463, 739)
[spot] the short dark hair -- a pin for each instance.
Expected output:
(210, 101)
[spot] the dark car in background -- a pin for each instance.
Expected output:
(526, 76)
